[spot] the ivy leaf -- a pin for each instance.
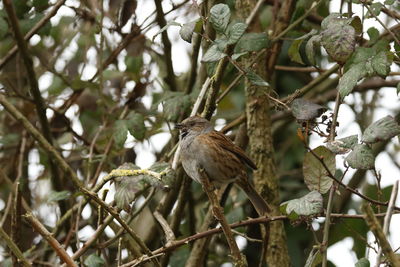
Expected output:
(135, 125)
(251, 42)
(56, 196)
(350, 78)
(187, 29)
(236, 32)
(310, 204)
(255, 79)
(213, 54)
(219, 17)
(316, 176)
(381, 130)
(342, 145)
(304, 110)
(361, 158)
(94, 261)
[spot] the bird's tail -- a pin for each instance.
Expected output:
(258, 202)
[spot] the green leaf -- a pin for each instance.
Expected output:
(343, 145)
(294, 51)
(252, 42)
(333, 18)
(310, 204)
(339, 42)
(94, 261)
(238, 55)
(314, 258)
(373, 34)
(3, 27)
(376, 10)
(213, 54)
(236, 31)
(187, 29)
(55, 196)
(219, 17)
(381, 130)
(40, 5)
(363, 262)
(135, 125)
(311, 47)
(175, 105)
(120, 133)
(361, 158)
(126, 187)
(398, 89)
(389, 2)
(255, 79)
(163, 29)
(350, 78)
(305, 110)
(381, 64)
(315, 174)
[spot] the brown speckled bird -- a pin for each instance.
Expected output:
(224, 162)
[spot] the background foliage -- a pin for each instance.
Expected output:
(105, 81)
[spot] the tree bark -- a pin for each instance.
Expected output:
(261, 145)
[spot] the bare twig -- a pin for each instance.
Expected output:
(14, 248)
(50, 239)
(169, 234)
(388, 216)
(238, 257)
(376, 228)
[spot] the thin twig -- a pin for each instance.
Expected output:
(39, 227)
(388, 217)
(238, 257)
(376, 228)
(169, 234)
(14, 248)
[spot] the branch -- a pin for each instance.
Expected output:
(32, 32)
(14, 248)
(238, 257)
(170, 78)
(34, 89)
(388, 217)
(376, 228)
(252, 221)
(50, 239)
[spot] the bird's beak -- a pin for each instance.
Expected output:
(178, 126)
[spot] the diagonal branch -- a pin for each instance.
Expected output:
(32, 32)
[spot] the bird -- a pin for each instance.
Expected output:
(203, 148)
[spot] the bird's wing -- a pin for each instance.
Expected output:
(224, 142)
